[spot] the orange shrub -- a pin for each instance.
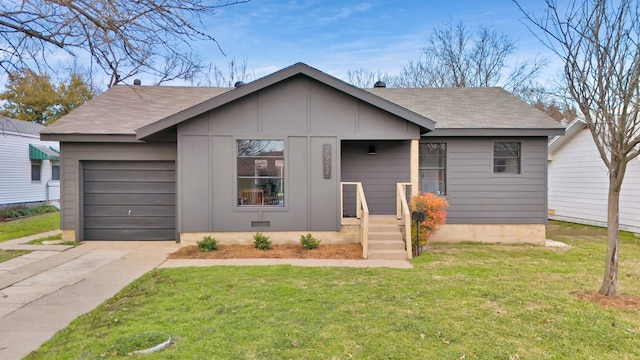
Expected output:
(435, 214)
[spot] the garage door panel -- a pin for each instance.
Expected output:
(129, 165)
(129, 175)
(133, 199)
(114, 187)
(130, 222)
(128, 234)
(129, 200)
(114, 210)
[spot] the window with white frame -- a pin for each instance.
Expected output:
(433, 168)
(506, 157)
(260, 172)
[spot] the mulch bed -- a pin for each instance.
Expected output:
(288, 251)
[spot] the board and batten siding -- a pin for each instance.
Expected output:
(15, 171)
(579, 182)
(305, 114)
(73, 154)
(476, 195)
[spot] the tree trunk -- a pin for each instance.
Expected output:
(613, 226)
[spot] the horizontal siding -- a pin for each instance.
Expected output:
(579, 182)
(478, 196)
(378, 173)
(15, 175)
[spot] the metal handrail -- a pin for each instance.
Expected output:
(403, 213)
(362, 212)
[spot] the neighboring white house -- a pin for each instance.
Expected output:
(579, 181)
(29, 167)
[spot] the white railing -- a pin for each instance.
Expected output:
(362, 213)
(403, 214)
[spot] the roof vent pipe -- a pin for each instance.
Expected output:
(379, 84)
(239, 84)
(137, 82)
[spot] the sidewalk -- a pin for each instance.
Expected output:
(42, 292)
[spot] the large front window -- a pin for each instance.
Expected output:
(433, 168)
(260, 169)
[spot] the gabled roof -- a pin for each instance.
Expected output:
(128, 113)
(20, 127)
(572, 129)
(286, 73)
(474, 110)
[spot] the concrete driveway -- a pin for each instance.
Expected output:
(42, 292)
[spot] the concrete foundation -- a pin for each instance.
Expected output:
(348, 235)
(496, 234)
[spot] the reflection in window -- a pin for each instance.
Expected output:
(36, 170)
(260, 169)
(433, 166)
(55, 171)
(506, 157)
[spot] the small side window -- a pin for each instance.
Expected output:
(506, 157)
(36, 170)
(55, 171)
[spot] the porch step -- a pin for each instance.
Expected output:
(385, 239)
(388, 254)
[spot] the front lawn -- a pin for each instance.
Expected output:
(29, 226)
(461, 301)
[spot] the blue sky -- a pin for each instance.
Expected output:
(338, 36)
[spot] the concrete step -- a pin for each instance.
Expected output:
(386, 220)
(393, 235)
(383, 227)
(386, 245)
(388, 254)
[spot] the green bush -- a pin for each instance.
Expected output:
(261, 242)
(14, 211)
(309, 242)
(207, 244)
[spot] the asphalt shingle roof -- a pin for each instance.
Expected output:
(19, 126)
(468, 108)
(122, 109)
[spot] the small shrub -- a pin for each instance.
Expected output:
(14, 211)
(207, 244)
(261, 242)
(435, 214)
(309, 242)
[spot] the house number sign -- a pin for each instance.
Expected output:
(326, 161)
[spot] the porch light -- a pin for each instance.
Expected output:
(372, 150)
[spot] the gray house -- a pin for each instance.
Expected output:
(300, 151)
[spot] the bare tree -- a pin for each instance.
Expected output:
(599, 42)
(365, 79)
(123, 38)
(457, 56)
(236, 71)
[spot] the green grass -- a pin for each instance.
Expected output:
(29, 226)
(48, 238)
(460, 301)
(6, 255)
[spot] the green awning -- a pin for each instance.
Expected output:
(41, 152)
